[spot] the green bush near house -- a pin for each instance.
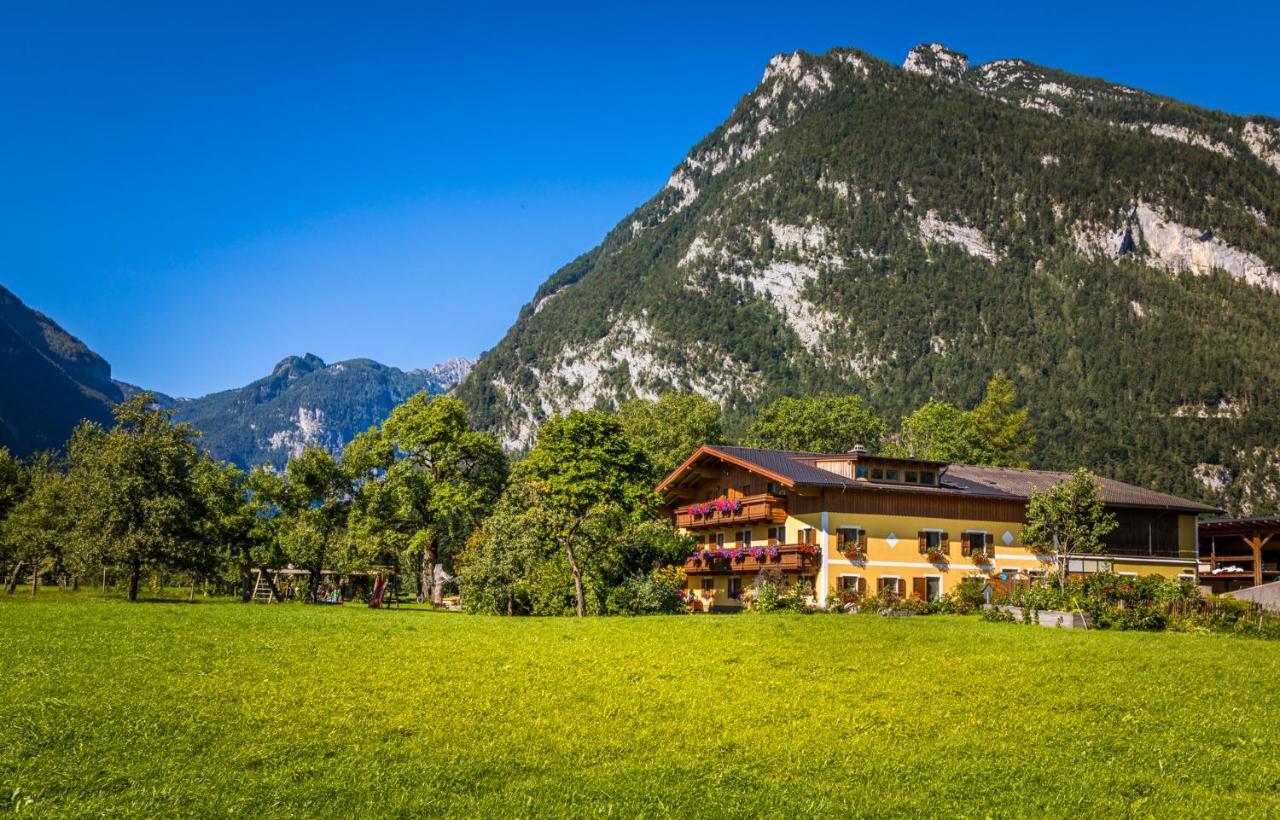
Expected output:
(164, 709)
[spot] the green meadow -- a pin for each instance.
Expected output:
(219, 708)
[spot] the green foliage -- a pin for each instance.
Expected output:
(132, 494)
(590, 484)
(669, 429)
(309, 504)
(425, 480)
(994, 433)
(939, 431)
(1068, 519)
(1003, 427)
(821, 425)
(653, 593)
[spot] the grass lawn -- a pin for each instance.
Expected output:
(221, 708)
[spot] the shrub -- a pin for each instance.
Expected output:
(658, 592)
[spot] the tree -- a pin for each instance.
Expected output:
(820, 425)
(591, 483)
(14, 482)
(36, 530)
(229, 528)
(1068, 519)
(131, 491)
(1002, 427)
(311, 500)
(498, 568)
(425, 480)
(669, 429)
(940, 431)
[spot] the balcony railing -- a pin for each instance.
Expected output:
(784, 558)
(751, 509)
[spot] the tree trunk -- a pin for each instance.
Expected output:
(104, 579)
(75, 583)
(426, 579)
(135, 574)
(577, 581)
(246, 583)
(12, 583)
(191, 595)
(35, 579)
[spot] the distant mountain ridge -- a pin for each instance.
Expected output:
(904, 231)
(305, 401)
(52, 381)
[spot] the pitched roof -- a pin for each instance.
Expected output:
(1020, 483)
(793, 467)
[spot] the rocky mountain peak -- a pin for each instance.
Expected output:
(296, 366)
(936, 60)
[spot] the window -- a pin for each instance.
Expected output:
(735, 587)
(743, 538)
(708, 584)
(890, 585)
(934, 541)
(890, 475)
(851, 539)
(861, 471)
(927, 588)
(877, 473)
(852, 583)
(976, 543)
(808, 535)
(777, 535)
(912, 477)
(927, 477)
(719, 539)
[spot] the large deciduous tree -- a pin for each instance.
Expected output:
(425, 480)
(816, 424)
(591, 483)
(669, 429)
(1068, 519)
(131, 490)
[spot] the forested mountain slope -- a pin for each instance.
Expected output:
(904, 232)
(49, 380)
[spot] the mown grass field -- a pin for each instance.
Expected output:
(221, 708)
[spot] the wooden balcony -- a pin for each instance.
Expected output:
(789, 558)
(755, 509)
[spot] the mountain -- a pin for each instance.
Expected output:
(51, 380)
(903, 232)
(305, 401)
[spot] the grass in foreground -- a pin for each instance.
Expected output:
(220, 708)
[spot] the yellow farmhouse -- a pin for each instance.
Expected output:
(913, 527)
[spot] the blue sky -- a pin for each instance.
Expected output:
(198, 193)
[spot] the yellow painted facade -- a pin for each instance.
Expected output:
(892, 552)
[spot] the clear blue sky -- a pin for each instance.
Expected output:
(198, 193)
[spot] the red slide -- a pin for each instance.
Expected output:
(379, 586)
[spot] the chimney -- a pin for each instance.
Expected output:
(858, 451)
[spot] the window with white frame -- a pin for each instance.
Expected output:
(851, 539)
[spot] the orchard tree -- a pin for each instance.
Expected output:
(819, 425)
(425, 480)
(309, 505)
(1068, 519)
(37, 530)
(669, 429)
(230, 528)
(131, 490)
(591, 483)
